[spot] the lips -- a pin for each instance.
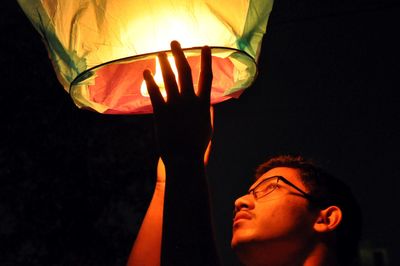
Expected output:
(242, 215)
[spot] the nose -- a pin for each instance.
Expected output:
(244, 202)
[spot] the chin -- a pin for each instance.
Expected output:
(242, 249)
(241, 238)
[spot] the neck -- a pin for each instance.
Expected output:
(317, 255)
(321, 255)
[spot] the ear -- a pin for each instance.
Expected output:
(328, 219)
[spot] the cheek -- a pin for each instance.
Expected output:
(283, 220)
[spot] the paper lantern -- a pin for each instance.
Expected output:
(100, 48)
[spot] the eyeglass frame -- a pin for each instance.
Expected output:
(303, 193)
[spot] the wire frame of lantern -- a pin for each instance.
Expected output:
(100, 48)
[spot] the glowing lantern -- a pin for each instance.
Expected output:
(99, 49)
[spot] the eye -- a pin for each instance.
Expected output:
(265, 189)
(270, 187)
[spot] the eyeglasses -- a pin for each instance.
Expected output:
(268, 185)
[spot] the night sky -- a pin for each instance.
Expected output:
(75, 185)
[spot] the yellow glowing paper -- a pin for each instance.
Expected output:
(100, 48)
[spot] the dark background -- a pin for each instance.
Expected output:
(74, 185)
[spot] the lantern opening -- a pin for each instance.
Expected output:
(118, 87)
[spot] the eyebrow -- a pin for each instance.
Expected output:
(262, 179)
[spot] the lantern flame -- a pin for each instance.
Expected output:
(158, 78)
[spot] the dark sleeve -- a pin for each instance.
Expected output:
(188, 233)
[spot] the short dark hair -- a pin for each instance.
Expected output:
(328, 190)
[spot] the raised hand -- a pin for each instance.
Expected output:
(183, 128)
(183, 124)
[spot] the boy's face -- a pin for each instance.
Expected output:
(280, 219)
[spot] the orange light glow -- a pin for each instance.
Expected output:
(158, 78)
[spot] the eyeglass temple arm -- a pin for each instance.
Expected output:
(305, 194)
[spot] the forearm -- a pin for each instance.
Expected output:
(188, 237)
(148, 239)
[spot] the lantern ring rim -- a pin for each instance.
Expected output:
(81, 76)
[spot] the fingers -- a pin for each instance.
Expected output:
(184, 74)
(182, 65)
(155, 95)
(169, 78)
(206, 75)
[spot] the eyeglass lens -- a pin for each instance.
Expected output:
(265, 187)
